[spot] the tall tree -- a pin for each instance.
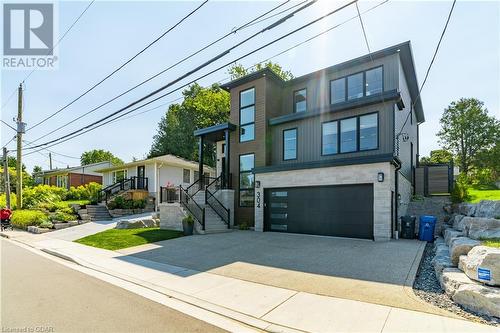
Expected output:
(467, 130)
(439, 156)
(99, 155)
(201, 107)
(237, 70)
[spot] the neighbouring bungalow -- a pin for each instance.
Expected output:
(152, 175)
(72, 176)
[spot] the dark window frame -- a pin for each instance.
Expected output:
(346, 85)
(296, 143)
(239, 181)
(295, 103)
(247, 106)
(356, 118)
(184, 176)
(339, 152)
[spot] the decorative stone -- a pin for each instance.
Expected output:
(488, 208)
(451, 279)
(37, 230)
(478, 298)
(485, 259)
(466, 209)
(150, 223)
(72, 223)
(449, 234)
(482, 227)
(457, 222)
(440, 262)
(130, 224)
(61, 225)
(460, 246)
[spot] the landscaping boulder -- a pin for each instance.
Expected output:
(488, 208)
(449, 234)
(457, 222)
(478, 298)
(150, 223)
(130, 224)
(466, 209)
(451, 279)
(37, 230)
(482, 227)
(460, 246)
(61, 225)
(485, 259)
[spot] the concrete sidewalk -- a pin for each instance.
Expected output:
(257, 305)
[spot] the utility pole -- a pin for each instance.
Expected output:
(50, 161)
(6, 177)
(20, 131)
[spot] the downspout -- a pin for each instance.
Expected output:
(396, 193)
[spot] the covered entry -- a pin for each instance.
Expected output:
(337, 210)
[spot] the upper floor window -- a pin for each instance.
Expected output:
(290, 144)
(337, 90)
(368, 132)
(300, 100)
(246, 181)
(374, 81)
(329, 141)
(357, 85)
(247, 115)
(348, 135)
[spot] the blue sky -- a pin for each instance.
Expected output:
(111, 32)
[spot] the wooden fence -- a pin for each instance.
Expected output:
(435, 179)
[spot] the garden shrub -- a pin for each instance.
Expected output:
(460, 192)
(89, 191)
(61, 216)
(122, 203)
(46, 224)
(23, 218)
(34, 196)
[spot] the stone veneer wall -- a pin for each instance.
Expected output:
(341, 175)
(430, 206)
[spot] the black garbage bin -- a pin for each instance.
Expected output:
(408, 226)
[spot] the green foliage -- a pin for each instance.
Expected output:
(122, 203)
(62, 216)
(460, 192)
(237, 70)
(115, 239)
(27, 179)
(243, 226)
(479, 193)
(468, 130)
(37, 169)
(23, 218)
(492, 242)
(34, 196)
(46, 224)
(440, 156)
(99, 155)
(3, 201)
(201, 107)
(83, 192)
(188, 219)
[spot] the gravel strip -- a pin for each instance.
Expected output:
(427, 287)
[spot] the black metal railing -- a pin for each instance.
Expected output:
(188, 202)
(132, 183)
(169, 194)
(214, 203)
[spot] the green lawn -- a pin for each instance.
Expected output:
(477, 195)
(76, 202)
(494, 242)
(115, 239)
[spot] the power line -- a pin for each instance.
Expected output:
(121, 66)
(13, 138)
(412, 105)
(30, 143)
(90, 127)
(187, 74)
(163, 71)
(8, 125)
(9, 98)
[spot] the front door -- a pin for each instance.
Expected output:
(141, 182)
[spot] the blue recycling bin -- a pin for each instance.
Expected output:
(426, 228)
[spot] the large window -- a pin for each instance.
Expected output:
(290, 144)
(62, 181)
(358, 85)
(300, 100)
(186, 176)
(374, 81)
(329, 134)
(368, 132)
(119, 175)
(337, 91)
(354, 86)
(348, 135)
(246, 187)
(247, 115)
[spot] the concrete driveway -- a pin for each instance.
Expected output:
(375, 272)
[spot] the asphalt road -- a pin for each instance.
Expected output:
(40, 294)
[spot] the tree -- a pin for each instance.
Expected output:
(37, 169)
(201, 107)
(11, 162)
(440, 156)
(237, 70)
(99, 155)
(467, 130)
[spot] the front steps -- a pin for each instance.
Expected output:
(98, 213)
(213, 222)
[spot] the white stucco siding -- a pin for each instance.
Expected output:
(341, 175)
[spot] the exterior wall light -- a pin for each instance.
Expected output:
(380, 177)
(257, 184)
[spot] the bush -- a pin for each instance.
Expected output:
(460, 192)
(23, 218)
(122, 203)
(32, 197)
(84, 192)
(483, 177)
(46, 224)
(3, 201)
(62, 216)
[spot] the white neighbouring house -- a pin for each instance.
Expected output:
(153, 173)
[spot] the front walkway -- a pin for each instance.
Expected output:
(261, 306)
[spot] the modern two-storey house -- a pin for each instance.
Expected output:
(331, 153)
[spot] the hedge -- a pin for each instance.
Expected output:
(24, 218)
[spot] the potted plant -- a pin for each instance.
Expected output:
(187, 225)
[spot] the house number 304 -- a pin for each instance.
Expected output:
(258, 199)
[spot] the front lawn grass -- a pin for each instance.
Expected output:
(477, 194)
(493, 242)
(115, 239)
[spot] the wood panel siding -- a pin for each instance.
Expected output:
(77, 179)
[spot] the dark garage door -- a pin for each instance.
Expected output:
(341, 210)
